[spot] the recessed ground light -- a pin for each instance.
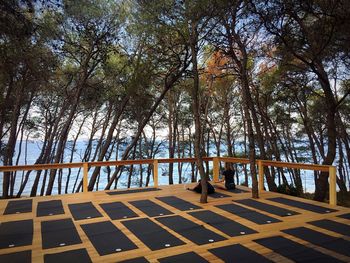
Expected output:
(125, 217)
(211, 240)
(191, 208)
(268, 221)
(118, 249)
(88, 217)
(62, 244)
(327, 211)
(160, 214)
(167, 245)
(11, 245)
(50, 214)
(18, 212)
(242, 233)
(289, 214)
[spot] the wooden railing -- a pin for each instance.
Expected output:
(216, 169)
(86, 165)
(266, 163)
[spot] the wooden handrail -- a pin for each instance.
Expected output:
(35, 167)
(216, 168)
(234, 160)
(183, 160)
(302, 166)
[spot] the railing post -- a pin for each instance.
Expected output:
(332, 185)
(261, 176)
(85, 177)
(216, 168)
(155, 173)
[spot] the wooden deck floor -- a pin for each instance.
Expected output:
(97, 198)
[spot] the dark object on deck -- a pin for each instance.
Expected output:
(18, 207)
(237, 191)
(59, 233)
(248, 214)
(151, 234)
(71, 256)
(275, 210)
(219, 195)
(84, 211)
(192, 231)
(135, 260)
(107, 238)
(234, 191)
(198, 188)
(189, 257)
(336, 244)
(345, 216)
(16, 233)
(334, 226)
(178, 203)
(294, 251)
(49, 208)
(238, 253)
(17, 257)
(133, 191)
(229, 175)
(302, 205)
(117, 210)
(225, 225)
(150, 208)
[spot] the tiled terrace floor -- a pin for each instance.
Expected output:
(158, 225)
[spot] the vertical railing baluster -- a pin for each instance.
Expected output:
(155, 173)
(261, 175)
(332, 185)
(85, 177)
(216, 169)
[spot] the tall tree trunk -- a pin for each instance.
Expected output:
(252, 155)
(197, 112)
(248, 105)
(11, 143)
(169, 82)
(259, 134)
(63, 139)
(108, 140)
(72, 153)
(171, 134)
(330, 104)
(44, 157)
(228, 129)
(131, 170)
(245, 133)
(340, 179)
(140, 166)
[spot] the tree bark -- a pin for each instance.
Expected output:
(169, 82)
(197, 111)
(108, 140)
(331, 109)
